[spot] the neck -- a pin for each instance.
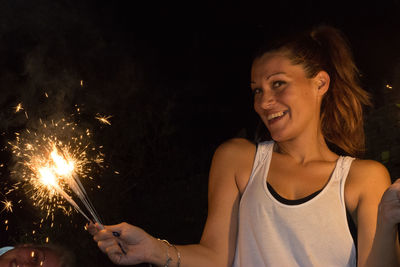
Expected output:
(306, 149)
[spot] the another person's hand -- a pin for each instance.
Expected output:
(389, 207)
(124, 244)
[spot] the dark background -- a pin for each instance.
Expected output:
(175, 78)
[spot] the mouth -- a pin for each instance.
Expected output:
(276, 116)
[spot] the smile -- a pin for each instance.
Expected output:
(276, 115)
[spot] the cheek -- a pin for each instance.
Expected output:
(258, 109)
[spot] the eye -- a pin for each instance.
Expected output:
(256, 91)
(277, 84)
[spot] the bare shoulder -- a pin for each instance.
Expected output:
(236, 147)
(236, 156)
(368, 178)
(369, 172)
(366, 182)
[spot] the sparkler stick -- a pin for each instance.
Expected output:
(48, 178)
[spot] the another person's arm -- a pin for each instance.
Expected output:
(378, 214)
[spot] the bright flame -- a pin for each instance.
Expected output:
(47, 177)
(62, 166)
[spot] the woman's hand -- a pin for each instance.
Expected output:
(389, 207)
(124, 244)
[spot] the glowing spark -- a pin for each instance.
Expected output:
(388, 86)
(26, 115)
(51, 160)
(62, 167)
(18, 107)
(103, 119)
(47, 177)
(81, 82)
(7, 206)
(46, 94)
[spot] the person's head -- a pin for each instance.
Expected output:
(37, 256)
(310, 79)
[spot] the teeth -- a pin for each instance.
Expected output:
(273, 116)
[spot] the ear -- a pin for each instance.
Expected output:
(322, 81)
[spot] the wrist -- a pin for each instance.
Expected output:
(156, 252)
(163, 254)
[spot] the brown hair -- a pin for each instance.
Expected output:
(326, 48)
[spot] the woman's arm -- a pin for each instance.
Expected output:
(217, 245)
(378, 243)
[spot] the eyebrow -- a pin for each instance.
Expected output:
(269, 76)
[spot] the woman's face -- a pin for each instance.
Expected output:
(285, 99)
(27, 256)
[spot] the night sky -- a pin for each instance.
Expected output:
(175, 79)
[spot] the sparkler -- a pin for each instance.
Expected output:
(50, 161)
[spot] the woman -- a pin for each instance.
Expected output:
(287, 202)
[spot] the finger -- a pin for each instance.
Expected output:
(91, 229)
(117, 258)
(121, 259)
(115, 249)
(99, 226)
(117, 228)
(103, 235)
(106, 244)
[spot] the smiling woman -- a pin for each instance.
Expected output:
(292, 200)
(324, 56)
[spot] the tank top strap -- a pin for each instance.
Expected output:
(343, 167)
(342, 171)
(263, 154)
(264, 150)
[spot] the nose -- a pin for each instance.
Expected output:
(265, 100)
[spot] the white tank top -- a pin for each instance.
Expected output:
(314, 233)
